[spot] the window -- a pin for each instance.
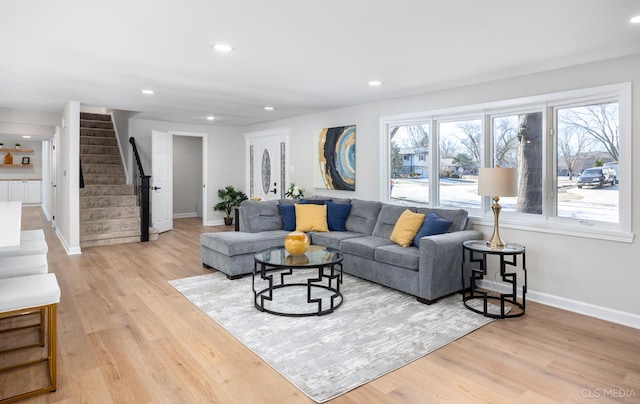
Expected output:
(551, 139)
(408, 174)
(588, 136)
(460, 148)
(518, 143)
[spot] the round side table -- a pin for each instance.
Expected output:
(502, 305)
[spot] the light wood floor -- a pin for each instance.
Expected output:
(126, 336)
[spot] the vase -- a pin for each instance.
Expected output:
(296, 243)
(8, 159)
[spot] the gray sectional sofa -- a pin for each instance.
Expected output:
(429, 272)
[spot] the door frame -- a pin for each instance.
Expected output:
(205, 159)
(279, 134)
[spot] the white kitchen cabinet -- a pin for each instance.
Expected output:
(4, 191)
(25, 191)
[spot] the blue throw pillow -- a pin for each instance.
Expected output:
(288, 213)
(337, 214)
(314, 201)
(433, 224)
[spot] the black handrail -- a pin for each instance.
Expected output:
(81, 176)
(135, 153)
(143, 192)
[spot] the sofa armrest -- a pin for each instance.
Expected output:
(441, 263)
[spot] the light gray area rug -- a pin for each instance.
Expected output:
(375, 331)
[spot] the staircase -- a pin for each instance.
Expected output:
(108, 211)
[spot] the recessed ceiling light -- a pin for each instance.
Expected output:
(635, 20)
(211, 118)
(148, 92)
(223, 47)
(267, 108)
(375, 83)
(26, 137)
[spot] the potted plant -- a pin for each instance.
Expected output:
(229, 199)
(17, 145)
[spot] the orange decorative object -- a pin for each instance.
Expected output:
(8, 159)
(296, 242)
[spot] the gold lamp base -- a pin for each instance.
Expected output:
(496, 240)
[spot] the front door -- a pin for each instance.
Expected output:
(161, 181)
(267, 158)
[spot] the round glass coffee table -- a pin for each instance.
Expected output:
(280, 280)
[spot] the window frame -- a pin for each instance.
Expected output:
(548, 221)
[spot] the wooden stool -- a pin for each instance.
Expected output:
(23, 265)
(37, 234)
(30, 294)
(27, 247)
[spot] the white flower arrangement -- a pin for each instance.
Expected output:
(294, 192)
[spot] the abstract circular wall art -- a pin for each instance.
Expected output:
(336, 152)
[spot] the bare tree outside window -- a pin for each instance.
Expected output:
(588, 136)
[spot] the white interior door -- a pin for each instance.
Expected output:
(161, 181)
(267, 160)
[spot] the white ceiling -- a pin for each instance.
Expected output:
(299, 56)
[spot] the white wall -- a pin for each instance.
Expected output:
(68, 183)
(35, 158)
(593, 276)
(225, 165)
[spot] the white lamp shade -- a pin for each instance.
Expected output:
(497, 181)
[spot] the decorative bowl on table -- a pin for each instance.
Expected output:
(296, 242)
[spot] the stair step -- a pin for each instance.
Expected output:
(118, 240)
(95, 117)
(96, 132)
(88, 202)
(98, 179)
(98, 228)
(98, 159)
(113, 169)
(101, 150)
(107, 190)
(85, 123)
(98, 141)
(118, 212)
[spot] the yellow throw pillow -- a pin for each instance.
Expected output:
(311, 217)
(406, 228)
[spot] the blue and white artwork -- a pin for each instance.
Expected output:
(335, 166)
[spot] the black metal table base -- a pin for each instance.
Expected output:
(507, 303)
(334, 276)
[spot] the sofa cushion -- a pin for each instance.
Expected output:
(337, 214)
(363, 216)
(288, 213)
(237, 242)
(405, 257)
(406, 228)
(431, 226)
(457, 216)
(387, 219)
(257, 216)
(311, 217)
(332, 238)
(312, 201)
(363, 246)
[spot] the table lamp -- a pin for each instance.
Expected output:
(497, 182)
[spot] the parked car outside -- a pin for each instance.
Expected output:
(616, 166)
(597, 177)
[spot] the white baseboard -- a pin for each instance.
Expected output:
(184, 215)
(588, 309)
(218, 222)
(65, 244)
